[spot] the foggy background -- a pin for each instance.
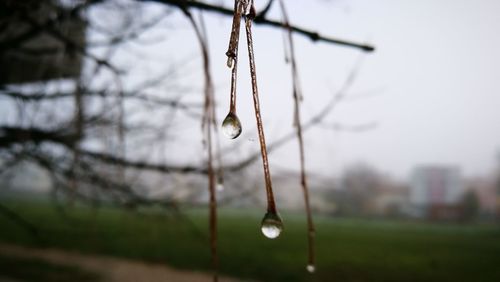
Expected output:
(102, 110)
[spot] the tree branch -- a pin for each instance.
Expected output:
(262, 20)
(12, 135)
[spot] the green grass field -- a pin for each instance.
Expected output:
(347, 250)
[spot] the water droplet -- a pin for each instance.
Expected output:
(272, 225)
(311, 268)
(220, 187)
(229, 62)
(231, 126)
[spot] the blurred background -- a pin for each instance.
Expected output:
(103, 161)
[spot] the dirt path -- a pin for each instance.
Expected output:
(111, 269)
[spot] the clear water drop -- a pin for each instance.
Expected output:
(311, 268)
(272, 225)
(220, 187)
(231, 126)
(229, 62)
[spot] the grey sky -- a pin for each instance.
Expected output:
(434, 81)
(432, 85)
(440, 65)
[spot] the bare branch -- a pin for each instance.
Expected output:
(313, 35)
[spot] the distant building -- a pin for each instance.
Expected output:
(436, 185)
(436, 192)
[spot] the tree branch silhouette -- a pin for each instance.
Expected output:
(261, 19)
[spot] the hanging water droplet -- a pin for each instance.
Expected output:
(272, 225)
(220, 187)
(311, 268)
(229, 62)
(231, 126)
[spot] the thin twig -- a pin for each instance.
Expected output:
(232, 52)
(208, 123)
(271, 205)
(313, 35)
(297, 96)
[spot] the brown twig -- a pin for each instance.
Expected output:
(208, 122)
(78, 123)
(297, 96)
(313, 35)
(232, 52)
(271, 204)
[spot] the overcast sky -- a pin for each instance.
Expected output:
(432, 86)
(439, 66)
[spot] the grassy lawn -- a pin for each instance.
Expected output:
(347, 250)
